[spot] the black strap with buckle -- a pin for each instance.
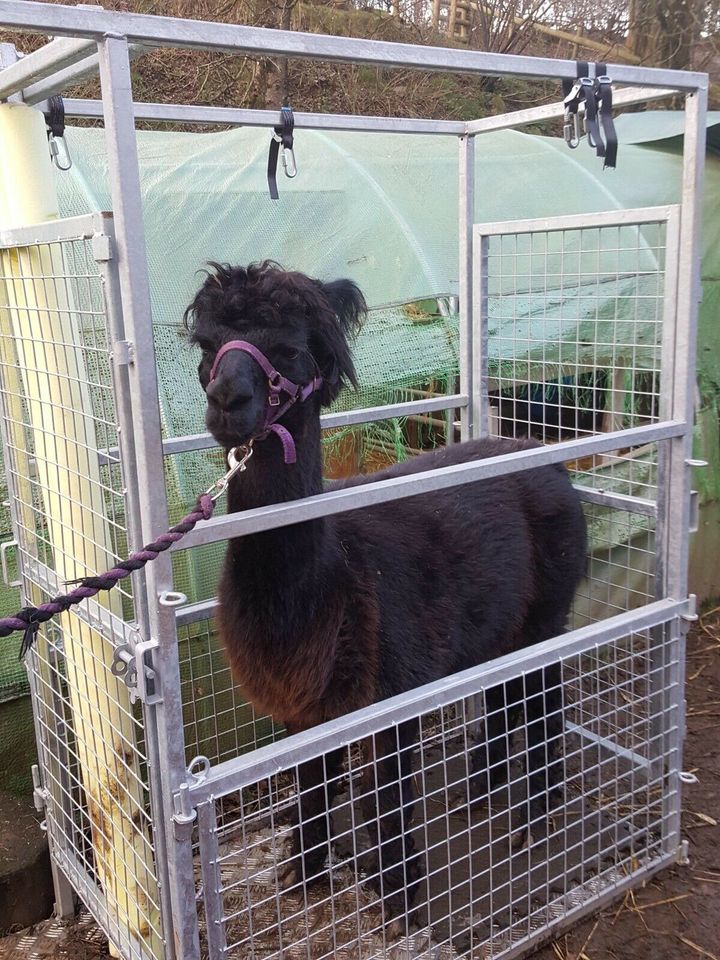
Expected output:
(282, 137)
(604, 97)
(55, 117)
(596, 94)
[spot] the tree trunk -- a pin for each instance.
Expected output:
(663, 33)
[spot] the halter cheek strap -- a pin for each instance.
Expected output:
(277, 385)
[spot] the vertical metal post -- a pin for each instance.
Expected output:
(479, 397)
(665, 398)
(688, 299)
(212, 881)
(166, 745)
(122, 392)
(469, 334)
(8, 56)
(677, 457)
(466, 218)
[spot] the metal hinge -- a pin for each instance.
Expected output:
(40, 794)
(690, 615)
(133, 664)
(185, 813)
(682, 854)
(102, 248)
(124, 352)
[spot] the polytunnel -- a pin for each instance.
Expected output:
(369, 206)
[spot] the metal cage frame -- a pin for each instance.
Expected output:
(91, 40)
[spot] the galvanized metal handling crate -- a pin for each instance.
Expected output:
(178, 855)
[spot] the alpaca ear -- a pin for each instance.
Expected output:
(330, 340)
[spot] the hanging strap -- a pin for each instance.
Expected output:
(596, 94)
(55, 122)
(282, 137)
(603, 88)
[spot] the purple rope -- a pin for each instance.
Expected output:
(30, 618)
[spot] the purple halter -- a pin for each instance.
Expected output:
(277, 384)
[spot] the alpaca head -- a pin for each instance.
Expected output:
(301, 325)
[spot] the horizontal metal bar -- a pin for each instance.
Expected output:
(575, 221)
(174, 32)
(266, 761)
(552, 111)
(189, 113)
(382, 491)
(51, 231)
(606, 498)
(205, 609)
(171, 447)
(85, 69)
(348, 418)
(95, 615)
(195, 612)
(41, 63)
(328, 421)
(636, 759)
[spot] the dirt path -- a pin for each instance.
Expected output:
(676, 916)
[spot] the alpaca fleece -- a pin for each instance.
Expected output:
(324, 617)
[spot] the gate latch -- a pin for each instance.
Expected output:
(132, 663)
(40, 794)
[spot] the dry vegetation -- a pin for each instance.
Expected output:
(677, 33)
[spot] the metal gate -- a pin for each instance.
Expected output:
(170, 825)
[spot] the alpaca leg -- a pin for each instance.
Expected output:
(387, 802)
(544, 731)
(544, 725)
(318, 784)
(490, 765)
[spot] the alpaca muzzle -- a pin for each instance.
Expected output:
(277, 386)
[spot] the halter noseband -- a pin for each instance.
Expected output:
(277, 384)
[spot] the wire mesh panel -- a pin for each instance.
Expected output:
(580, 320)
(468, 826)
(59, 419)
(576, 316)
(219, 723)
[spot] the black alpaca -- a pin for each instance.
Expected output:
(328, 616)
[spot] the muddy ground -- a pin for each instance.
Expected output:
(675, 916)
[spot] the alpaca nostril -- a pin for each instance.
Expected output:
(237, 402)
(220, 395)
(230, 404)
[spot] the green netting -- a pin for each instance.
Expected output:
(13, 678)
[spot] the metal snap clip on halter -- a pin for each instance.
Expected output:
(235, 466)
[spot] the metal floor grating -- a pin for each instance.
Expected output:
(79, 939)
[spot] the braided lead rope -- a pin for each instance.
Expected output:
(29, 618)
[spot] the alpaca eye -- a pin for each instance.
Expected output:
(289, 353)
